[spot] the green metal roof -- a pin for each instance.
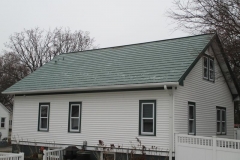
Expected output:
(151, 62)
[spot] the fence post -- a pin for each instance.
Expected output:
(44, 154)
(22, 155)
(214, 139)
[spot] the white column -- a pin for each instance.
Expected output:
(22, 155)
(44, 154)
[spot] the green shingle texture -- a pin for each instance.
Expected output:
(151, 62)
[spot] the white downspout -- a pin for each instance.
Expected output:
(173, 119)
(170, 122)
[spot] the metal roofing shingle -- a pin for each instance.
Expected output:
(152, 62)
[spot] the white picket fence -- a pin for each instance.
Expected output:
(206, 148)
(11, 156)
(56, 154)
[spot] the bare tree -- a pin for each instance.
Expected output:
(30, 49)
(11, 71)
(35, 47)
(208, 16)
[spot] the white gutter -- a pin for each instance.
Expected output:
(113, 87)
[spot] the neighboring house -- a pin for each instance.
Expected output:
(4, 121)
(148, 90)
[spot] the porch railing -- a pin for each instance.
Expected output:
(56, 154)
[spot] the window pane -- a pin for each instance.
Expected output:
(147, 125)
(74, 123)
(205, 72)
(223, 115)
(211, 76)
(191, 127)
(3, 120)
(44, 110)
(148, 110)
(211, 64)
(218, 127)
(108, 156)
(205, 62)
(223, 126)
(191, 112)
(218, 115)
(75, 111)
(43, 123)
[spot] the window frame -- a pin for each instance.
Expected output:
(221, 109)
(39, 116)
(141, 102)
(108, 153)
(193, 104)
(79, 118)
(209, 59)
(4, 123)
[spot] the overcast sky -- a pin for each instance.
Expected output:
(110, 22)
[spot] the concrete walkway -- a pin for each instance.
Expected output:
(6, 149)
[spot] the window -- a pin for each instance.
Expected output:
(43, 120)
(208, 68)
(147, 117)
(109, 156)
(2, 122)
(221, 120)
(74, 122)
(10, 122)
(191, 118)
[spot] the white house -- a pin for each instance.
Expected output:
(4, 121)
(149, 90)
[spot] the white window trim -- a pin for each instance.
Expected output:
(3, 122)
(206, 68)
(147, 133)
(209, 69)
(221, 121)
(43, 129)
(194, 114)
(75, 130)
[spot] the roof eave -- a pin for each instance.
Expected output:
(96, 88)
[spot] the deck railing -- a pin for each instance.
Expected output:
(56, 154)
(11, 156)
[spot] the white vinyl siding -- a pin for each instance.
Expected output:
(207, 96)
(112, 117)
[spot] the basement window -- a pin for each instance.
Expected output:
(147, 117)
(208, 68)
(221, 120)
(43, 120)
(74, 121)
